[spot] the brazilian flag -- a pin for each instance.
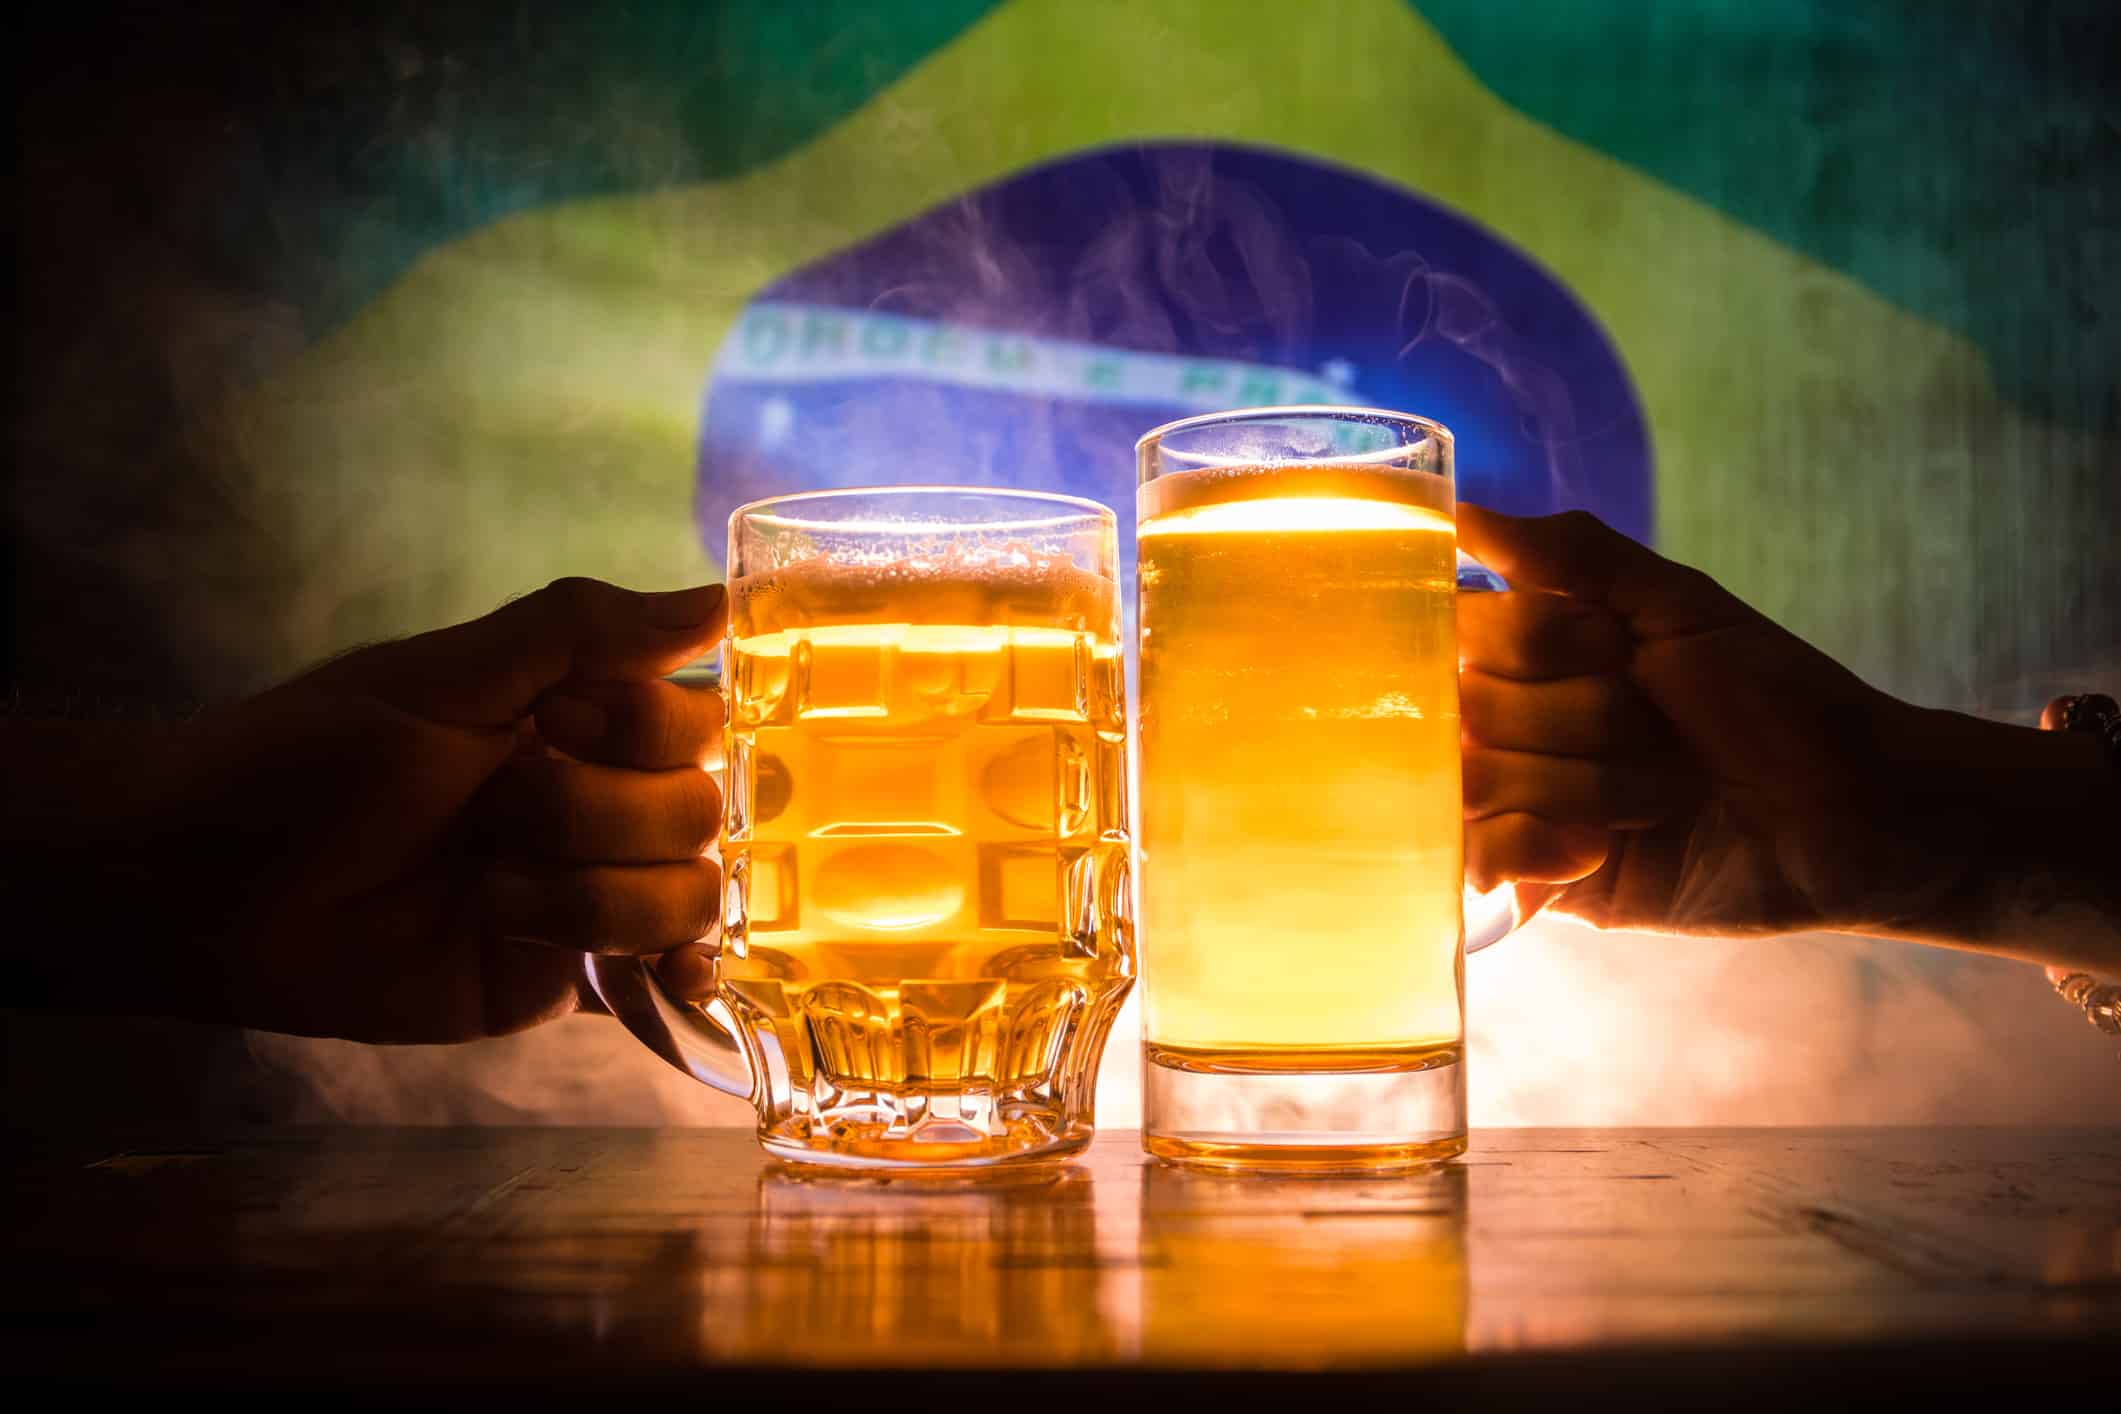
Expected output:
(1815, 294)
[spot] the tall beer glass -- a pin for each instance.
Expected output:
(1303, 944)
(928, 930)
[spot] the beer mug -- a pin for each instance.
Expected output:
(1305, 918)
(926, 930)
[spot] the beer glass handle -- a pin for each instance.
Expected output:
(1501, 911)
(701, 1041)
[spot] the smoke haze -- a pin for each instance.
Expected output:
(1566, 1026)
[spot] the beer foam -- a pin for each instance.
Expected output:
(953, 583)
(1299, 497)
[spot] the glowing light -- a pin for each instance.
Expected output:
(1300, 514)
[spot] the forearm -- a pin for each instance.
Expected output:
(2024, 828)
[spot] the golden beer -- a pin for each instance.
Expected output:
(1302, 856)
(1300, 782)
(927, 847)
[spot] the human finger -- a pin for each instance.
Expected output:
(491, 670)
(1532, 636)
(1574, 790)
(552, 808)
(1521, 848)
(644, 725)
(639, 909)
(687, 971)
(1602, 715)
(1577, 554)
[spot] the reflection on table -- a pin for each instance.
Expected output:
(591, 1258)
(1093, 1266)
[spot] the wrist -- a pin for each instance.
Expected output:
(1973, 761)
(2003, 836)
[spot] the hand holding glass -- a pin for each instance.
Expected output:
(927, 929)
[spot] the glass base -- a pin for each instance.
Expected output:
(1241, 1117)
(881, 1151)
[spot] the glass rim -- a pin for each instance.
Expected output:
(1337, 412)
(1079, 506)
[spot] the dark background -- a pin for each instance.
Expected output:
(203, 190)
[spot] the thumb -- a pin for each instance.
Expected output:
(1577, 554)
(490, 671)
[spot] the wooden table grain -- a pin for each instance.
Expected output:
(612, 1259)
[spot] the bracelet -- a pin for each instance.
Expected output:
(2101, 1001)
(2092, 714)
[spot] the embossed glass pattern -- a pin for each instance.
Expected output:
(927, 934)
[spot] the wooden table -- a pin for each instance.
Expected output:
(1744, 1265)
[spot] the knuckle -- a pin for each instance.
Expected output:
(574, 594)
(1688, 575)
(1697, 586)
(1580, 527)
